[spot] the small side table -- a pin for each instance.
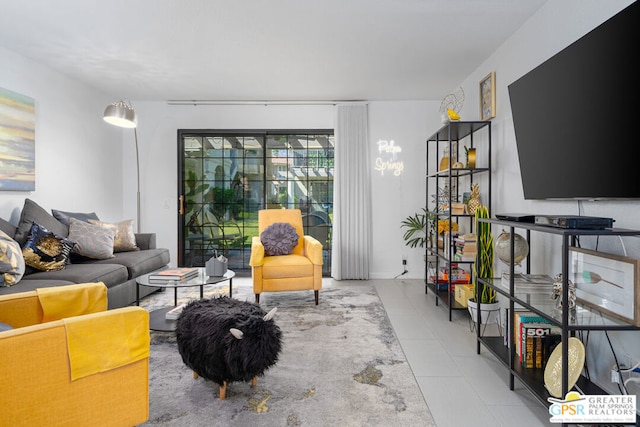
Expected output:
(157, 320)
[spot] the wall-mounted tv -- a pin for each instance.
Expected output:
(576, 116)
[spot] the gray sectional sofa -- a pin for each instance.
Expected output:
(118, 273)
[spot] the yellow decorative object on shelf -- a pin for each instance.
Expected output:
(452, 114)
(474, 199)
(553, 369)
(443, 225)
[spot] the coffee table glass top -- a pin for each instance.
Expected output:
(157, 320)
(200, 280)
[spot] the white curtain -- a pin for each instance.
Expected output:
(351, 234)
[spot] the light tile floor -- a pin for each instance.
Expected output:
(460, 387)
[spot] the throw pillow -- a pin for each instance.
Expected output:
(32, 212)
(91, 240)
(64, 217)
(279, 238)
(125, 239)
(46, 250)
(11, 262)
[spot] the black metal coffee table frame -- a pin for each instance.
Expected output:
(157, 320)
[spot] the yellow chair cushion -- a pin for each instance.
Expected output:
(286, 266)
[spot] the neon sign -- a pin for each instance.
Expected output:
(387, 159)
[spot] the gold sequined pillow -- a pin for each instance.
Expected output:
(92, 241)
(46, 250)
(125, 239)
(11, 261)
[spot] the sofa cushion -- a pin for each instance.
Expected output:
(11, 261)
(139, 262)
(65, 217)
(279, 238)
(32, 212)
(109, 274)
(45, 250)
(125, 238)
(91, 240)
(26, 284)
(8, 228)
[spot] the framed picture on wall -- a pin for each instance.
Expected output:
(608, 283)
(17, 142)
(488, 96)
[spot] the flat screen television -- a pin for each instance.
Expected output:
(576, 117)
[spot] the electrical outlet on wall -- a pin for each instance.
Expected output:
(625, 360)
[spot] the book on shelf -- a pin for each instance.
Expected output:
(532, 335)
(465, 248)
(465, 257)
(549, 343)
(468, 237)
(174, 274)
(530, 283)
(174, 313)
(522, 317)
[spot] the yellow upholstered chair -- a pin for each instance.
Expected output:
(68, 361)
(300, 270)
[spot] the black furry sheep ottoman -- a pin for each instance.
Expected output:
(224, 340)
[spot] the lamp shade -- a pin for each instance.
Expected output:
(120, 114)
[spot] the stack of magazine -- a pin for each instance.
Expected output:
(179, 274)
(528, 283)
(174, 313)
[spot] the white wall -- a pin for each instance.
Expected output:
(556, 25)
(158, 125)
(395, 197)
(78, 156)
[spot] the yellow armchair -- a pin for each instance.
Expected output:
(70, 362)
(300, 270)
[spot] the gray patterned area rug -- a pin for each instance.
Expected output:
(340, 365)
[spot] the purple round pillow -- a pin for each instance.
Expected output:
(279, 239)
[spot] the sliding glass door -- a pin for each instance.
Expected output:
(226, 177)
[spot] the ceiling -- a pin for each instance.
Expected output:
(277, 50)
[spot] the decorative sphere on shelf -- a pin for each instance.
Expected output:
(503, 248)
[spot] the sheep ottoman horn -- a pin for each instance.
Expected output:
(224, 340)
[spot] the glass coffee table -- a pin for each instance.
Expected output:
(157, 320)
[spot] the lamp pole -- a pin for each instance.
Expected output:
(135, 134)
(123, 115)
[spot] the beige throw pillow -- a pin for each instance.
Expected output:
(125, 239)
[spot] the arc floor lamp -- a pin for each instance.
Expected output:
(123, 115)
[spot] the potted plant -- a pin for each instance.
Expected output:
(483, 268)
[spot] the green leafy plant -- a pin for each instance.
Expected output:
(415, 226)
(222, 201)
(483, 268)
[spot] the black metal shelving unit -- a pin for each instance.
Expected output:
(454, 134)
(586, 318)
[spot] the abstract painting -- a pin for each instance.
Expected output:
(17, 142)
